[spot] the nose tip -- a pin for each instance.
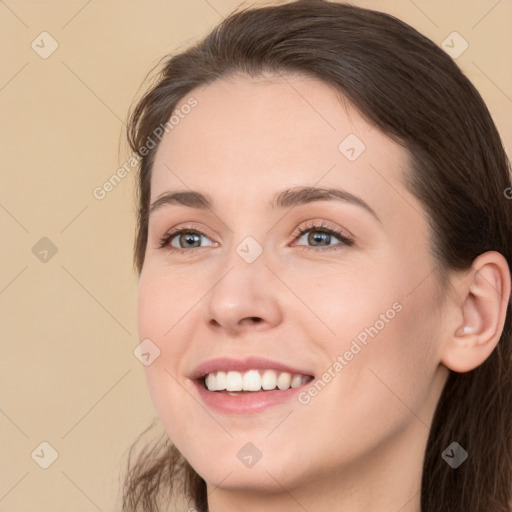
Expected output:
(242, 298)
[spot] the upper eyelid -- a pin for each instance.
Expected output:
(310, 225)
(187, 227)
(319, 224)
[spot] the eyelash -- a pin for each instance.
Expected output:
(321, 227)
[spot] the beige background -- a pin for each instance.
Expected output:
(68, 373)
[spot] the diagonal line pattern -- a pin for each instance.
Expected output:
(501, 296)
(74, 218)
(421, 282)
(13, 279)
(88, 497)
(290, 209)
(421, 214)
(285, 490)
(76, 14)
(97, 402)
(96, 300)
(492, 81)
(409, 501)
(13, 217)
(13, 13)
(198, 301)
(424, 13)
(80, 79)
(304, 98)
(199, 403)
(300, 300)
(14, 423)
(14, 76)
(14, 485)
(486, 14)
(282, 421)
(419, 419)
(209, 3)
(225, 224)
(216, 486)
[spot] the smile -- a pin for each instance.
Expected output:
(248, 385)
(254, 380)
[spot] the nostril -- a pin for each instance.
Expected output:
(251, 320)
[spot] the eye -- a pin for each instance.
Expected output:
(183, 239)
(320, 235)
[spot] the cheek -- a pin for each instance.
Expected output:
(352, 307)
(152, 303)
(156, 315)
(394, 369)
(163, 300)
(381, 390)
(383, 350)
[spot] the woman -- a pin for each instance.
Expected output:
(324, 249)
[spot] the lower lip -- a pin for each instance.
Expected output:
(249, 402)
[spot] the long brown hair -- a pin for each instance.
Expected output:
(413, 91)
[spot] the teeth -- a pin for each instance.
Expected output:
(253, 380)
(284, 380)
(220, 381)
(210, 382)
(296, 381)
(234, 381)
(269, 380)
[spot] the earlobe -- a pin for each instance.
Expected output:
(485, 292)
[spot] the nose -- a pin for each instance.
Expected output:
(245, 297)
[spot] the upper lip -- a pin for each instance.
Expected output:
(243, 364)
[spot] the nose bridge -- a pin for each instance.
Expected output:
(241, 290)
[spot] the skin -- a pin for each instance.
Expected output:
(358, 445)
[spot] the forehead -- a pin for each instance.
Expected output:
(249, 136)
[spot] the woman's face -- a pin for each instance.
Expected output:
(243, 296)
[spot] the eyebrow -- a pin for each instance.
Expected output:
(288, 198)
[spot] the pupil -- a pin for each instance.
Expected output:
(319, 236)
(189, 238)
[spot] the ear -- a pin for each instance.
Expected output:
(476, 322)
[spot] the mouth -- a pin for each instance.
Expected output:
(247, 386)
(235, 383)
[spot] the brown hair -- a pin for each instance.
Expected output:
(410, 89)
